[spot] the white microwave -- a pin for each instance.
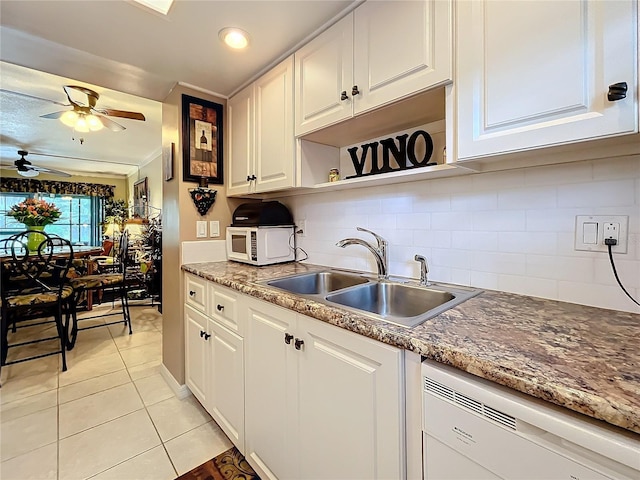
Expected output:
(260, 245)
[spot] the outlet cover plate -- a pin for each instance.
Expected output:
(600, 220)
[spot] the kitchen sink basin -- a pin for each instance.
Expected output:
(317, 283)
(400, 303)
(390, 301)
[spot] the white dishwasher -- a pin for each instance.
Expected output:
(474, 429)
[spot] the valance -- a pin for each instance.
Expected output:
(62, 188)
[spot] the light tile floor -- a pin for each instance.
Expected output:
(110, 416)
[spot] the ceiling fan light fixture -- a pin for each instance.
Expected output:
(235, 38)
(69, 118)
(28, 173)
(94, 123)
(81, 124)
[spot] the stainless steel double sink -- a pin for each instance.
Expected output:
(394, 302)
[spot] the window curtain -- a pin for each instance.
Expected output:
(29, 185)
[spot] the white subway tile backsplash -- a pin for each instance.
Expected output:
(577, 172)
(452, 221)
(500, 220)
(621, 167)
(604, 296)
(535, 287)
(475, 201)
(473, 240)
(596, 194)
(417, 221)
(450, 258)
(560, 268)
(528, 198)
(484, 280)
(432, 238)
(511, 230)
(544, 243)
(509, 263)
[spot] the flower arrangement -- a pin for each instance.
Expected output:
(35, 213)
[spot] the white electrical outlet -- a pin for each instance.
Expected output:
(592, 230)
(301, 228)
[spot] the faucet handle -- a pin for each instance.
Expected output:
(381, 241)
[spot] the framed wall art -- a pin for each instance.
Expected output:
(140, 198)
(201, 141)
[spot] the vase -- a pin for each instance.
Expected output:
(35, 237)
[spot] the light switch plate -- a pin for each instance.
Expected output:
(201, 229)
(584, 236)
(214, 228)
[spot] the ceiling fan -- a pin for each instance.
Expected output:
(27, 169)
(86, 117)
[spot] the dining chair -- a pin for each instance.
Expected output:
(115, 280)
(35, 286)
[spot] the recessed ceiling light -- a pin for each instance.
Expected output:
(234, 37)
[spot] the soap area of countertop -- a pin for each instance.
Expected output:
(583, 358)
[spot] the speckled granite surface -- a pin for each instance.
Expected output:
(582, 358)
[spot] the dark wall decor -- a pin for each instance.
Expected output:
(201, 140)
(405, 150)
(140, 198)
(11, 184)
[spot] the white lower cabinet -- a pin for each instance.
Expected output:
(196, 353)
(321, 402)
(226, 377)
(214, 360)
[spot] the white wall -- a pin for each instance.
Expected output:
(510, 230)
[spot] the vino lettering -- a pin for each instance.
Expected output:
(401, 148)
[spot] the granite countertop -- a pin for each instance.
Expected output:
(583, 358)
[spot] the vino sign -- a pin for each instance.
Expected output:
(404, 149)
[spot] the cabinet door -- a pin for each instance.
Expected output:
(240, 142)
(351, 414)
(324, 69)
(532, 74)
(274, 137)
(400, 48)
(196, 354)
(270, 390)
(226, 393)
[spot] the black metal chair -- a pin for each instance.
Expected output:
(35, 286)
(115, 281)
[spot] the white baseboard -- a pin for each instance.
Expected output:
(181, 391)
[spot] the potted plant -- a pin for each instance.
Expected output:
(35, 215)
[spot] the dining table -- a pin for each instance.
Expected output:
(79, 251)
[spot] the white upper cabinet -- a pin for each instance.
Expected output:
(240, 141)
(532, 74)
(323, 74)
(380, 53)
(261, 137)
(400, 48)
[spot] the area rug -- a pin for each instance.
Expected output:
(229, 465)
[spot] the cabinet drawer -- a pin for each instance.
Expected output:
(223, 308)
(195, 293)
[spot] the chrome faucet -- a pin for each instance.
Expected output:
(424, 270)
(379, 252)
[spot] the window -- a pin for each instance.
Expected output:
(79, 222)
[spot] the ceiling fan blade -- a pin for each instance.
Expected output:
(33, 97)
(49, 170)
(54, 115)
(121, 114)
(110, 124)
(92, 96)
